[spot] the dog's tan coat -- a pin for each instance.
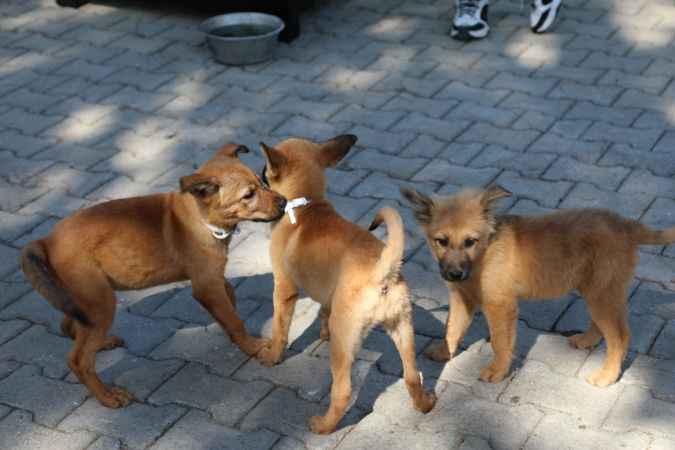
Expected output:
(139, 242)
(346, 269)
(505, 258)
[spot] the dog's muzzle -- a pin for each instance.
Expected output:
(453, 274)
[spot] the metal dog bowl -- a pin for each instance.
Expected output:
(242, 38)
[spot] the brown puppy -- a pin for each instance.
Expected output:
(340, 265)
(139, 242)
(491, 261)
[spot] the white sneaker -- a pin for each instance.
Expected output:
(470, 21)
(543, 15)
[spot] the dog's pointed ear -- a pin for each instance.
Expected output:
(232, 150)
(274, 159)
(422, 205)
(200, 185)
(493, 193)
(333, 150)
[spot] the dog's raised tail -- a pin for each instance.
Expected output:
(647, 236)
(389, 265)
(39, 272)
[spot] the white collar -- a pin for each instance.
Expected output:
(219, 233)
(295, 203)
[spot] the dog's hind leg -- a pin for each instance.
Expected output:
(68, 328)
(607, 308)
(404, 338)
(96, 299)
(588, 339)
(345, 342)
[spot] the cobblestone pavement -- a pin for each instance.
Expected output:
(113, 101)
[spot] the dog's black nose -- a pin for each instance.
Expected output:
(281, 202)
(455, 275)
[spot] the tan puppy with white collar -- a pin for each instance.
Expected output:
(340, 265)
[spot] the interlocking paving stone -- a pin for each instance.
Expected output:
(584, 195)
(507, 428)
(651, 298)
(12, 328)
(227, 401)
(37, 346)
(571, 170)
(285, 413)
(106, 443)
(196, 431)
(376, 431)
(439, 171)
(140, 376)
(514, 139)
(137, 425)
(308, 375)
(207, 345)
(637, 409)
(663, 347)
(392, 165)
(654, 374)
(548, 435)
(536, 384)
(20, 433)
(545, 193)
(49, 400)
(530, 165)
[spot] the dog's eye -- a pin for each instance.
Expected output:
(469, 242)
(249, 195)
(442, 241)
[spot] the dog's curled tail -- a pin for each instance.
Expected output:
(389, 265)
(41, 275)
(647, 236)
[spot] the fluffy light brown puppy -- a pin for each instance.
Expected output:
(346, 269)
(135, 243)
(491, 261)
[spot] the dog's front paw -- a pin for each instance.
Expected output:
(602, 378)
(427, 402)
(493, 373)
(115, 398)
(438, 352)
(267, 357)
(319, 425)
(252, 346)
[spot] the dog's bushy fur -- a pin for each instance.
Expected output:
(490, 261)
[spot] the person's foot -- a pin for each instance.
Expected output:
(543, 14)
(470, 21)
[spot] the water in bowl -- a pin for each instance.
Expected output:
(242, 30)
